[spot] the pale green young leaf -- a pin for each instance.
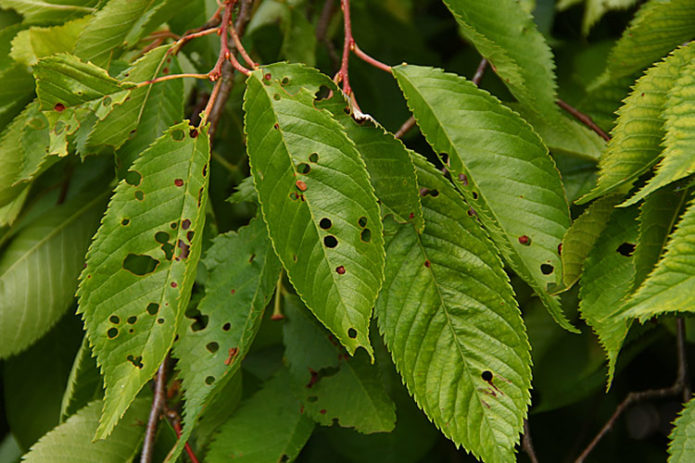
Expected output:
(681, 447)
(596, 9)
(582, 235)
(84, 383)
(116, 127)
(501, 167)
(454, 330)
(36, 42)
(109, 28)
(679, 111)
(505, 34)
(658, 214)
(334, 388)
(268, 427)
(638, 134)
(671, 286)
(71, 91)
(142, 263)
(607, 279)
(318, 204)
(243, 271)
(658, 27)
(50, 11)
(71, 442)
(39, 269)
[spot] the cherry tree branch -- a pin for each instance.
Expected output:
(680, 387)
(157, 405)
(583, 118)
(175, 420)
(527, 443)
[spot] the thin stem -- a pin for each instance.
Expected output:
(157, 404)
(175, 421)
(241, 49)
(171, 77)
(527, 443)
(193, 35)
(480, 72)
(584, 119)
(680, 387)
(368, 59)
(277, 306)
(343, 75)
(406, 127)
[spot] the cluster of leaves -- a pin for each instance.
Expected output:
(406, 289)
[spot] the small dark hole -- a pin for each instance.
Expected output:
(547, 269)
(487, 376)
(366, 235)
(125, 222)
(186, 224)
(325, 223)
(212, 347)
(160, 320)
(133, 178)
(193, 133)
(285, 80)
(112, 333)
(139, 195)
(362, 222)
(352, 332)
(475, 195)
(330, 241)
(132, 320)
(226, 326)
(114, 319)
(152, 308)
(304, 168)
(277, 97)
(200, 323)
(209, 380)
(314, 157)
(626, 249)
(178, 135)
(161, 237)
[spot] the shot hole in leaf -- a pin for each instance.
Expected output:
(59, 107)
(160, 321)
(547, 269)
(139, 195)
(136, 361)
(330, 241)
(340, 270)
(161, 237)
(186, 224)
(352, 333)
(178, 182)
(285, 80)
(626, 249)
(112, 333)
(304, 168)
(193, 133)
(325, 223)
(178, 135)
(212, 347)
(314, 157)
(227, 326)
(133, 178)
(132, 319)
(475, 195)
(366, 235)
(125, 222)
(114, 319)
(209, 380)
(152, 308)
(362, 222)
(139, 264)
(322, 93)
(200, 323)
(487, 376)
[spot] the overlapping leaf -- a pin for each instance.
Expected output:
(267, 427)
(84, 383)
(50, 11)
(243, 271)
(71, 91)
(142, 263)
(318, 204)
(635, 145)
(39, 269)
(450, 321)
(36, 42)
(682, 445)
(671, 286)
(502, 168)
(607, 279)
(71, 442)
(334, 388)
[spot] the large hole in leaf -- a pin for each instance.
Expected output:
(366, 235)
(139, 264)
(330, 241)
(325, 223)
(152, 308)
(547, 269)
(626, 249)
(133, 178)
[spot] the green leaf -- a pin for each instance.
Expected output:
(243, 271)
(109, 28)
(147, 248)
(36, 42)
(505, 34)
(679, 141)
(16, 90)
(267, 427)
(118, 125)
(658, 27)
(84, 383)
(607, 279)
(299, 44)
(71, 91)
(582, 235)
(501, 167)
(12, 159)
(671, 286)
(50, 11)
(318, 204)
(596, 9)
(71, 442)
(450, 321)
(682, 439)
(39, 270)
(334, 388)
(658, 215)
(637, 136)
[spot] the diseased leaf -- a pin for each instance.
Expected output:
(334, 388)
(50, 11)
(267, 427)
(671, 286)
(682, 439)
(142, 263)
(318, 204)
(16, 90)
(71, 442)
(501, 167)
(448, 316)
(71, 91)
(582, 235)
(39, 269)
(12, 160)
(36, 42)
(109, 28)
(607, 279)
(243, 271)
(637, 136)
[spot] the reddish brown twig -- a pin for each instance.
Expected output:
(680, 387)
(157, 404)
(225, 53)
(584, 119)
(175, 420)
(527, 443)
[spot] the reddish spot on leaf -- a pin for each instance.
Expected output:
(428, 264)
(233, 351)
(186, 224)
(193, 133)
(267, 76)
(174, 284)
(233, 291)
(276, 126)
(301, 185)
(313, 380)
(178, 182)
(525, 240)
(411, 216)
(185, 250)
(559, 248)
(322, 411)
(189, 236)
(165, 71)
(463, 179)
(59, 107)
(340, 270)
